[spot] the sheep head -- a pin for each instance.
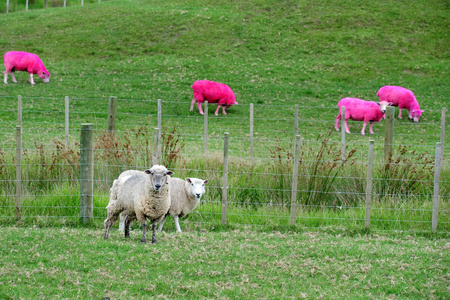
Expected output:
(159, 176)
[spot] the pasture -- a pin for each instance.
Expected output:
(274, 55)
(65, 262)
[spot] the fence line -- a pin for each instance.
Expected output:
(45, 4)
(111, 127)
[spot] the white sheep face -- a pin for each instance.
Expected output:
(159, 176)
(196, 187)
(383, 105)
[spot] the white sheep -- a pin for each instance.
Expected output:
(185, 196)
(142, 195)
(24, 61)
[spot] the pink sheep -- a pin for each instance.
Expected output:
(403, 98)
(361, 110)
(24, 61)
(213, 92)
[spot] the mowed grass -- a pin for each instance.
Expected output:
(38, 263)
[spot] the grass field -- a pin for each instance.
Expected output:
(67, 263)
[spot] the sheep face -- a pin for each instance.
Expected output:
(415, 114)
(159, 177)
(196, 187)
(383, 105)
(44, 76)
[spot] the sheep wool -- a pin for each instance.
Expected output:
(24, 61)
(141, 195)
(185, 196)
(403, 98)
(360, 110)
(213, 92)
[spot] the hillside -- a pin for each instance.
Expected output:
(268, 51)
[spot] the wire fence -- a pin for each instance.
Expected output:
(331, 184)
(11, 6)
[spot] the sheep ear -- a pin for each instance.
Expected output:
(148, 172)
(169, 173)
(390, 103)
(188, 180)
(206, 181)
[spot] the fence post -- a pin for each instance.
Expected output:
(112, 109)
(18, 170)
(437, 173)
(26, 5)
(66, 119)
(45, 4)
(251, 134)
(343, 132)
(443, 133)
(156, 147)
(159, 127)
(82, 2)
(225, 178)
(296, 120)
(65, 3)
(86, 172)
(205, 129)
(295, 180)
(388, 134)
(369, 183)
(7, 6)
(19, 110)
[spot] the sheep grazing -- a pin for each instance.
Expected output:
(24, 61)
(142, 195)
(185, 195)
(213, 92)
(403, 98)
(361, 110)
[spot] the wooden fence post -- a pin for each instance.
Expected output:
(369, 183)
(45, 4)
(225, 178)
(388, 134)
(443, 133)
(26, 5)
(295, 180)
(82, 2)
(159, 126)
(437, 173)
(86, 172)
(343, 132)
(156, 148)
(19, 110)
(66, 120)
(7, 6)
(205, 129)
(251, 134)
(112, 110)
(18, 170)
(65, 3)
(296, 120)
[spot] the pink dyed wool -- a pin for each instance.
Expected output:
(360, 110)
(403, 98)
(24, 61)
(213, 92)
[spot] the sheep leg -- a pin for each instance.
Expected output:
(364, 127)
(144, 233)
(127, 226)
(177, 224)
(108, 223)
(199, 105)
(13, 77)
(400, 112)
(6, 77)
(217, 110)
(31, 78)
(347, 129)
(192, 104)
(223, 109)
(162, 223)
(154, 233)
(337, 122)
(370, 129)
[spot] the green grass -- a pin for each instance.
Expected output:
(272, 54)
(71, 263)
